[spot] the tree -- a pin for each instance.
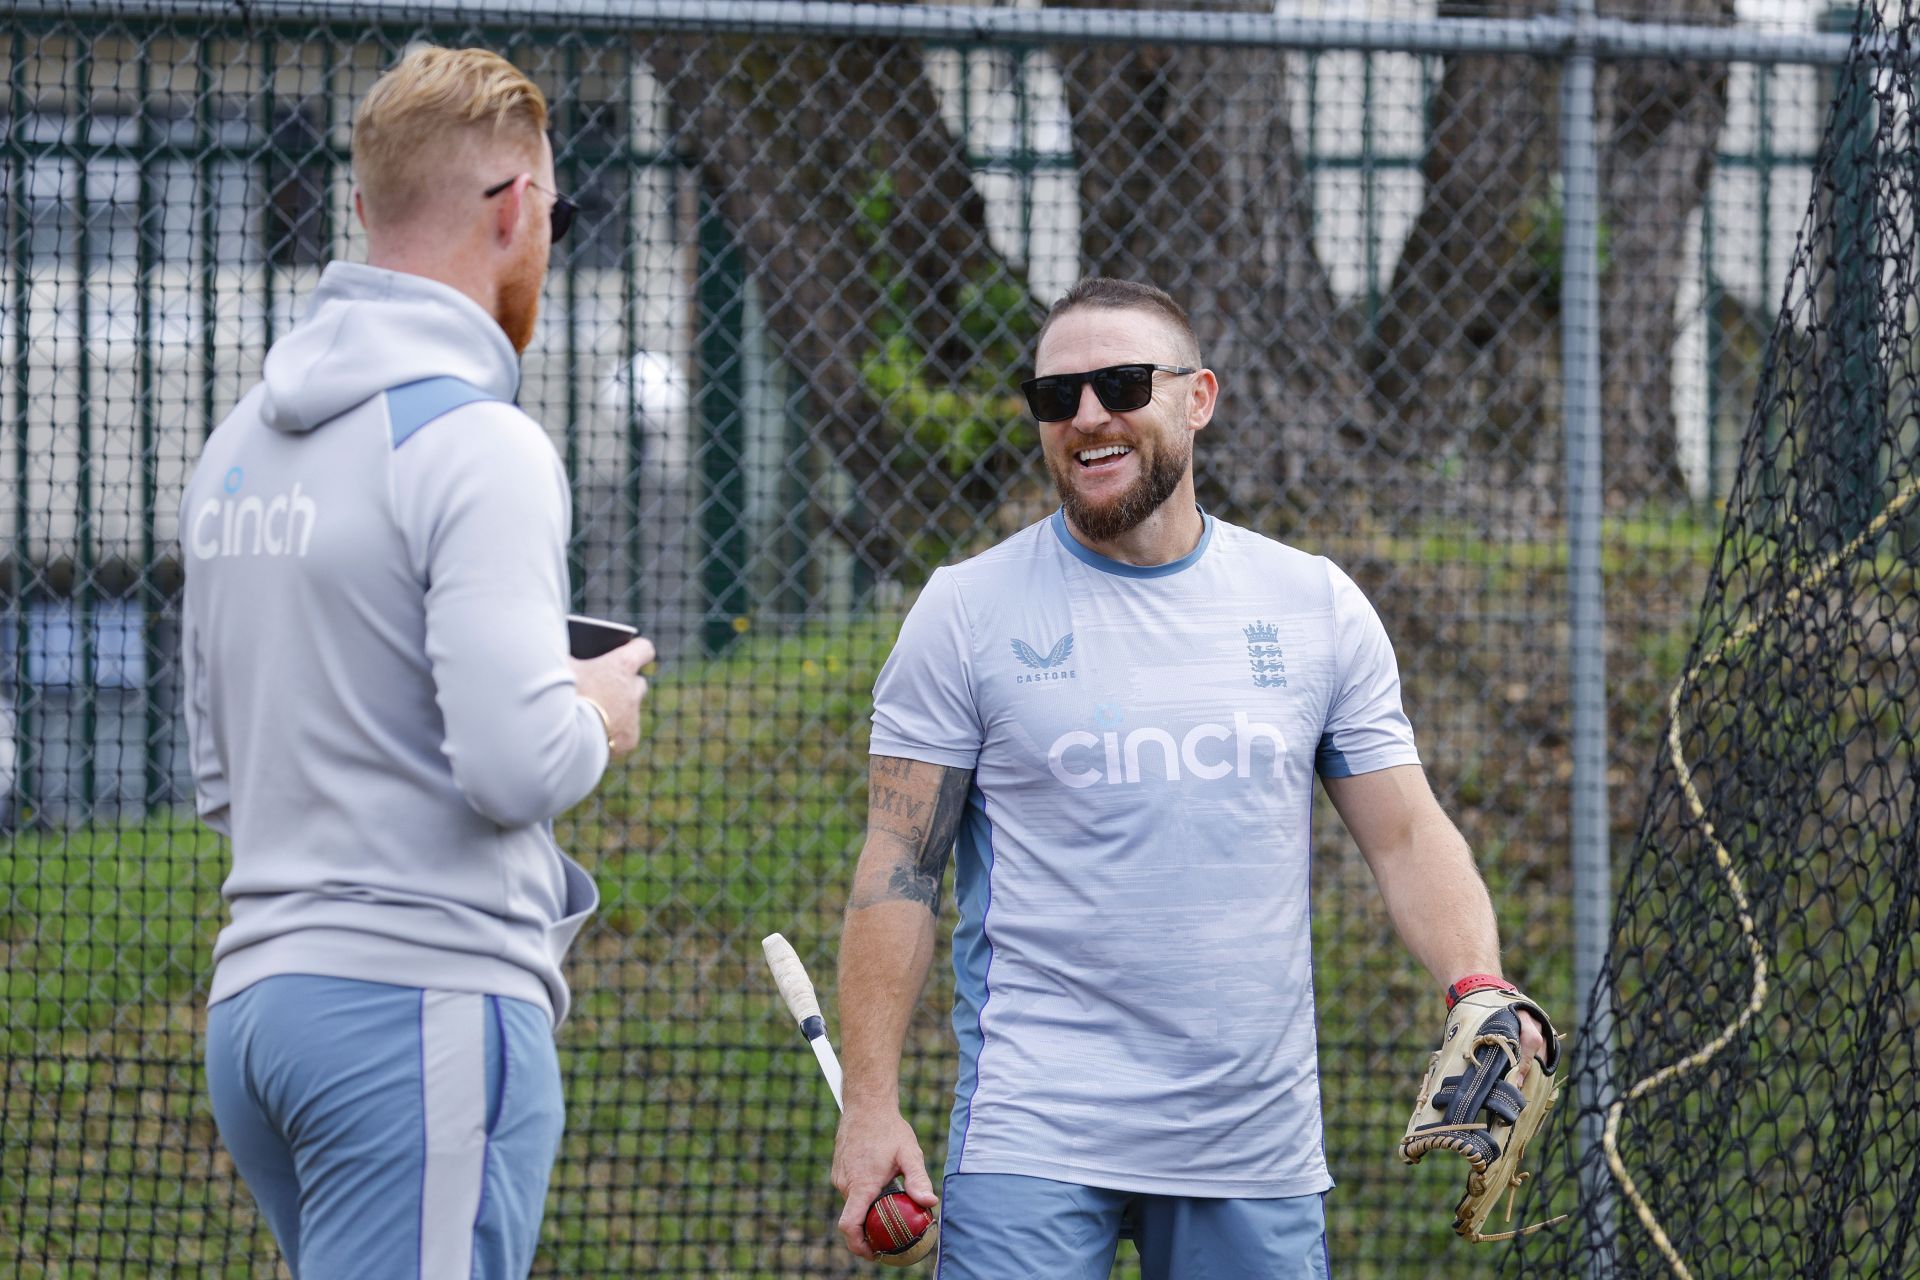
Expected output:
(1466, 357)
(855, 209)
(1662, 121)
(1463, 358)
(1190, 179)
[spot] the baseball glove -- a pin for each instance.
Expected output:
(1467, 1104)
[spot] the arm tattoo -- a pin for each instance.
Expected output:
(923, 828)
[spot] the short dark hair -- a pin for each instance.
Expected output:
(1124, 295)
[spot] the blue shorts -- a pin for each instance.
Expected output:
(1002, 1226)
(389, 1131)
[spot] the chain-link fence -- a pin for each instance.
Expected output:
(779, 359)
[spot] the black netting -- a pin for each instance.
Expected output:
(1757, 1106)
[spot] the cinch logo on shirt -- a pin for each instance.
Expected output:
(278, 525)
(1207, 752)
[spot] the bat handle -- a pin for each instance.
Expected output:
(829, 1065)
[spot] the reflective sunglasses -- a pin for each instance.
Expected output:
(560, 215)
(1121, 388)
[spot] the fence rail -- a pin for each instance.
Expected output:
(1550, 36)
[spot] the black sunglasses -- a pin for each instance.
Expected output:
(1121, 388)
(561, 215)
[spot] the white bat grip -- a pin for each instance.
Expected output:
(797, 990)
(795, 987)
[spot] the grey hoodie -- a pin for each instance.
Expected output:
(379, 707)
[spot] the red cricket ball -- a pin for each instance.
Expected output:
(896, 1223)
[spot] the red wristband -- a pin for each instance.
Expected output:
(1477, 982)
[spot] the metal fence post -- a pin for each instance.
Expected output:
(1856, 480)
(720, 406)
(26, 758)
(205, 180)
(145, 587)
(632, 489)
(83, 682)
(570, 176)
(1580, 389)
(268, 52)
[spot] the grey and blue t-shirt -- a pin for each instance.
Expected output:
(1134, 998)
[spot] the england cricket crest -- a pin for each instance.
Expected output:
(1263, 653)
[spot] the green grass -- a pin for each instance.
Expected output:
(684, 1086)
(699, 1134)
(1628, 543)
(104, 918)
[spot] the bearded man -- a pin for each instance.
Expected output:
(1118, 714)
(384, 717)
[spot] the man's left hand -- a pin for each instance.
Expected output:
(1533, 1045)
(1486, 1029)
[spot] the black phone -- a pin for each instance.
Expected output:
(591, 637)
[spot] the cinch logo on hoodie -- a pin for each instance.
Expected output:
(279, 524)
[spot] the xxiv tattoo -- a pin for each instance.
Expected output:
(923, 828)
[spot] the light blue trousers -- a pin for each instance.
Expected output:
(1002, 1226)
(388, 1131)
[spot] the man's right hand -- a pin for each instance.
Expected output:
(613, 681)
(875, 1144)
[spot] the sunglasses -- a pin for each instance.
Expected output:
(560, 215)
(1121, 388)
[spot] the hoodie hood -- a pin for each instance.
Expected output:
(368, 330)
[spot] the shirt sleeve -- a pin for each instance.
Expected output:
(483, 503)
(1366, 728)
(923, 706)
